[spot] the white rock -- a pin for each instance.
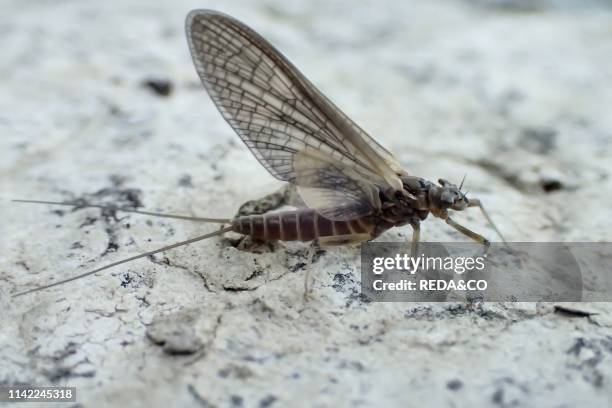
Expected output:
(449, 87)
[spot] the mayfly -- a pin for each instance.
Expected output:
(353, 188)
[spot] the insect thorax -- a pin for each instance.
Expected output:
(409, 207)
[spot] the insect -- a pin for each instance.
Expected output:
(353, 188)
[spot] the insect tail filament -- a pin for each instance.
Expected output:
(122, 261)
(128, 210)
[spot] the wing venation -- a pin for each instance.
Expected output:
(274, 109)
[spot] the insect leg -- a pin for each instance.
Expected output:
(349, 239)
(272, 201)
(314, 245)
(416, 236)
(468, 232)
(474, 202)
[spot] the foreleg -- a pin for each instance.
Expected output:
(468, 232)
(474, 202)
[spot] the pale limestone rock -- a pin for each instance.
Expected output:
(517, 97)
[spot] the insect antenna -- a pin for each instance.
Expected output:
(122, 261)
(128, 210)
(462, 180)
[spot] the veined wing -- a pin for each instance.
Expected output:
(274, 109)
(336, 191)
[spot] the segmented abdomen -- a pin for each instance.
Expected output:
(299, 225)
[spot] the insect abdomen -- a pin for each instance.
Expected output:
(300, 225)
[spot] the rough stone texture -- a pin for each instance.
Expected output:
(100, 101)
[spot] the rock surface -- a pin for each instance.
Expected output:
(100, 101)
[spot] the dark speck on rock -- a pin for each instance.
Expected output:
(340, 278)
(498, 396)
(160, 86)
(267, 401)
(297, 267)
(236, 401)
(454, 385)
(572, 311)
(540, 140)
(88, 221)
(185, 181)
(235, 371)
(551, 185)
(126, 279)
(577, 347)
(111, 247)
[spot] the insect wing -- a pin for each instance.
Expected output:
(336, 191)
(274, 109)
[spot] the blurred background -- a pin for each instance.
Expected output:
(100, 101)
